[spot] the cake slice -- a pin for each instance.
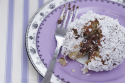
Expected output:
(101, 37)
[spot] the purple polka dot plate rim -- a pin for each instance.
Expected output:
(40, 41)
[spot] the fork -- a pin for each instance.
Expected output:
(60, 36)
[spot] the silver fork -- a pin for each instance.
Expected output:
(59, 35)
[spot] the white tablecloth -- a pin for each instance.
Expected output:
(14, 64)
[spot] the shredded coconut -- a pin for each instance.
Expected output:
(112, 43)
(90, 30)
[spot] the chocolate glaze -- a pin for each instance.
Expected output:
(91, 42)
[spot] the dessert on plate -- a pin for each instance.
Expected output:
(100, 37)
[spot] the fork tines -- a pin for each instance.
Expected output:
(68, 16)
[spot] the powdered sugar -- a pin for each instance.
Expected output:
(112, 43)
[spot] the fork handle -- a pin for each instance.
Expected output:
(50, 69)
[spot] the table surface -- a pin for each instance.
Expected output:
(14, 17)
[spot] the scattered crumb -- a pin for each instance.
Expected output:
(62, 61)
(73, 70)
(85, 70)
(87, 74)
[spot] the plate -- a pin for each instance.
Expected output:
(41, 43)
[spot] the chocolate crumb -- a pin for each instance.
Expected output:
(69, 7)
(59, 21)
(73, 7)
(77, 7)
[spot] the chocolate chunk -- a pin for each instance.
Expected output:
(114, 64)
(82, 51)
(77, 36)
(84, 34)
(89, 54)
(75, 31)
